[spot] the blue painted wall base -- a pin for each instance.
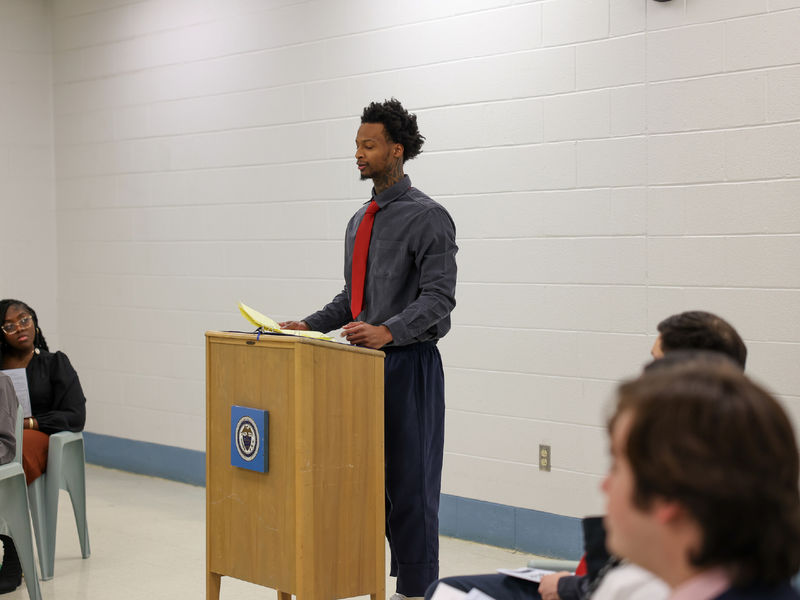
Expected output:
(532, 531)
(146, 458)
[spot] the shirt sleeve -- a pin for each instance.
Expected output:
(333, 315)
(435, 258)
(8, 421)
(573, 587)
(68, 404)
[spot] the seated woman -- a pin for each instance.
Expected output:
(57, 400)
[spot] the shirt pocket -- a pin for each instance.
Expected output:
(389, 259)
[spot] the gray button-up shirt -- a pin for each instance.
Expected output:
(411, 269)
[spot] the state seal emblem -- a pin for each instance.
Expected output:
(250, 438)
(247, 438)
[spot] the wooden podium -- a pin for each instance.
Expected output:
(313, 525)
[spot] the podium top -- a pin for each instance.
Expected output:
(272, 338)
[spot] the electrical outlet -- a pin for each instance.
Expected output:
(545, 457)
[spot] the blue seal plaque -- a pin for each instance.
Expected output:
(249, 438)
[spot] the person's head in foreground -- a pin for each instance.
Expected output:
(699, 330)
(704, 477)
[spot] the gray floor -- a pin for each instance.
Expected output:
(148, 541)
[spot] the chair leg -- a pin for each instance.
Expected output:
(20, 530)
(37, 498)
(51, 490)
(66, 469)
(75, 484)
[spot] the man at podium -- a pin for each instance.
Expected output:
(400, 278)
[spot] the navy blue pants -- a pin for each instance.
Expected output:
(414, 445)
(497, 585)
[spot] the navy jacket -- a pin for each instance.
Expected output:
(761, 592)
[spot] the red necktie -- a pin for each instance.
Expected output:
(360, 251)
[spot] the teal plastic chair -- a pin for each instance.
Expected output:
(553, 564)
(14, 511)
(66, 470)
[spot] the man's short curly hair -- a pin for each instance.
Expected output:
(401, 126)
(701, 330)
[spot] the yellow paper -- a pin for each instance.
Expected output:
(267, 324)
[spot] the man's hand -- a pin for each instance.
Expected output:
(548, 586)
(364, 334)
(301, 325)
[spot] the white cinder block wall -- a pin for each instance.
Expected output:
(28, 258)
(607, 162)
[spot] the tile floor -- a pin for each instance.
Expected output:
(148, 542)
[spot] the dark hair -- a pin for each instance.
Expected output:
(38, 338)
(700, 330)
(401, 126)
(707, 437)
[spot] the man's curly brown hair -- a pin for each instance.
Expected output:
(401, 126)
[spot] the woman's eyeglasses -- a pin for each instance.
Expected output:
(23, 323)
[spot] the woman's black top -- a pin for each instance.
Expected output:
(57, 400)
